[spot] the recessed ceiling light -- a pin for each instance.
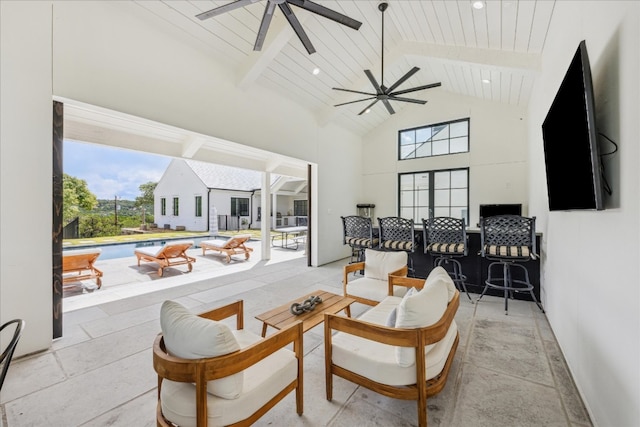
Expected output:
(486, 81)
(478, 4)
(316, 71)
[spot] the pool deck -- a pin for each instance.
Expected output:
(123, 278)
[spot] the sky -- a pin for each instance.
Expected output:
(111, 172)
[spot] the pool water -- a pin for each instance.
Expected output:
(123, 250)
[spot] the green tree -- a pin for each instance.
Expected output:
(76, 196)
(145, 200)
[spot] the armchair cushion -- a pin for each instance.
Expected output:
(379, 264)
(260, 383)
(189, 336)
(377, 361)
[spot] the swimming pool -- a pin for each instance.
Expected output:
(123, 250)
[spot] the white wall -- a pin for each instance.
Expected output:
(590, 280)
(179, 180)
(105, 54)
(26, 170)
(497, 159)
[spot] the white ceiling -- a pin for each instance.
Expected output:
(452, 43)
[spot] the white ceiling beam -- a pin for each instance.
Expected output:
(279, 34)
(191, 145)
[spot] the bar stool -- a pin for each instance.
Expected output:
(358, 234)
(398, 234)
(508, 241)
(445, 239)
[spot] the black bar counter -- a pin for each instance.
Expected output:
(475, 267)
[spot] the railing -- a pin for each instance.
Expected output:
(72, 229)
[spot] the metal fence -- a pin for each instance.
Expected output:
(72, 230)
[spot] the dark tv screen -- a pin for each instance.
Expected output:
(571, 152)
(502, 209)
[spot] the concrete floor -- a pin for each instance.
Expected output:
(508, 370)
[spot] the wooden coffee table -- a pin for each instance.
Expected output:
(282, 317)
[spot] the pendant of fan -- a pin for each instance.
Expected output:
(288, 13)
(383, 93)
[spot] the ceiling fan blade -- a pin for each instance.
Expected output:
(264, 25)
(327, 13)
(404, 78)
(429, 86)
(388, 105)
(354, 91)
(297, 27)
(226, 8)
(373, 81)
(367, 107)
(415, 101)
(353, 102)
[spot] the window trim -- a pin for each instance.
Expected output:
(449, 153)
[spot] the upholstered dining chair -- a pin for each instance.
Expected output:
(7, 353)
(508, 241)
(445, 239)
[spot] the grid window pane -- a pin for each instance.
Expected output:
(441, 198)
(424, 150)
(441, 132)
(459, 145)
(163, 206)
(460, 212)
(406, 212)
(459, 197)
(459, 178)
(406, 182)
(423, 197)
(459, 129)
(440, 147)
(198, 205)
(423, 212)
(434, 140)
(176, 206)
(442, 180)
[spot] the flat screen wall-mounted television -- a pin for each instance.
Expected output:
(500, 209)
(571, 152)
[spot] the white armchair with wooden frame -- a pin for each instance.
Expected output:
(402, 348)
(211, 376)
(373, 286)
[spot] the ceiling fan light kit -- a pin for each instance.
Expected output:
(283, 5)
(384, 93)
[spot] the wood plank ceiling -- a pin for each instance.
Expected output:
(491, 53)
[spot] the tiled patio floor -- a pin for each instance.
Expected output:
(508, 370)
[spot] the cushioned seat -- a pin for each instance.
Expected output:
(169, 255)
(373, 287)
(232, 246)
(79, 265)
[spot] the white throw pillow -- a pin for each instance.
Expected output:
(391, 320)
(442, 274)
(378, 264)
(190, 336)
(421, 309)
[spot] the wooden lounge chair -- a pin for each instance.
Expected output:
(78, 265)
(233, 246)
(169, 255)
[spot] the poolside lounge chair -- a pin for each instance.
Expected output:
(78, 265)
(169, 255)
(233, 246)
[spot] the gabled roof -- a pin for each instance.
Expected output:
(226, 177)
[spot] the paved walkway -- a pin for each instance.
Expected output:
(123, 278)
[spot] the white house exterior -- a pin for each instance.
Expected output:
(194, 195)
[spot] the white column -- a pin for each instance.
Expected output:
(265, 226)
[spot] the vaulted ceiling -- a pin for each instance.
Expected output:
(491, 53)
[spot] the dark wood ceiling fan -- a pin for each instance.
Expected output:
(288, 13)
(383, 93)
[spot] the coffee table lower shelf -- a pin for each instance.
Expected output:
(281, 317)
